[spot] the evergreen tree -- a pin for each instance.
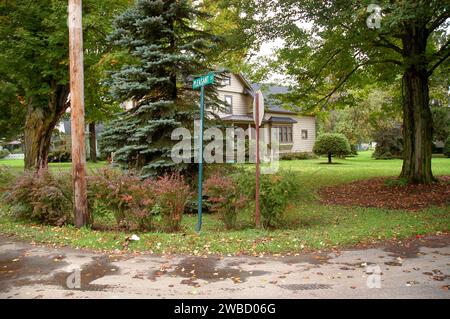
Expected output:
(166, 51)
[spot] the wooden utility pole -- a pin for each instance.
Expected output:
(81, 213)
(257, 212)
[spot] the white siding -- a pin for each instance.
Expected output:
(241, 101)
(243, 105)
(303, 123)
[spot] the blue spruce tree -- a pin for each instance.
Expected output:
(166, 51)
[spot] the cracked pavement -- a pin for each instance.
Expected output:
(418, 268)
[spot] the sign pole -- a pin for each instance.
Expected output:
(200, 161)
(201, 82)
(81, 213)
(257, 212)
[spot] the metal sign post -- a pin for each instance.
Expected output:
(201, 82)
(258, 115)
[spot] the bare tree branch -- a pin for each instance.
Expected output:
(385, 43)
(439, 20)
(440, 61)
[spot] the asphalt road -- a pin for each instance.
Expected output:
(419, 268)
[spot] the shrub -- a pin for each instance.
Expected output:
(225, 198)
(4, 153)
(389, 143)
(171, 197)
(277, 193)
(447, 147)
(332, 144)
(137, 203)
(17, 151)
(298, 156)
(41, 197)
(6, 178)
(130, 200)
(59, 157)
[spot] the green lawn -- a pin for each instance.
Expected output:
(312, 225)
(18, 165)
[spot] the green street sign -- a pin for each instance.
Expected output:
(204, 80)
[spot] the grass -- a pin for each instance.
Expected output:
(312, 226)
(16, 165)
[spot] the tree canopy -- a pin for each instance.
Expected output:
(330, 47)
(34, 62)
(166, 50)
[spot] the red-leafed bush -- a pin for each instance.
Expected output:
(140, 204)
(171, 196)
(41, 197)
(225, 198)
(130, 199)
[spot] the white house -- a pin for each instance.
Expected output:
(297, 133)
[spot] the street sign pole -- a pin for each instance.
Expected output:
(200, 160)
(201, 82)
(257, 212)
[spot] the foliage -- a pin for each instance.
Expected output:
(311, 225)
(332, 48)
(171, 196)
(4, 153)
(297, 156)
(140, 204)
(278, 192)
(34, 65)
(447, 147)
(166, 50)
(389, 143)
(130, 200)
(41, 197)
(441, 122)
(59, 157)
(332, 144)
(12, 112)
(225, 198)
(6, 178)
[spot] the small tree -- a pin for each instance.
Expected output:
(332, 144)
(389, 143)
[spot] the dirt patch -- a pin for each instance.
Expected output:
(376, 193)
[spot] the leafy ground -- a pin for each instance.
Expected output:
(312, 225)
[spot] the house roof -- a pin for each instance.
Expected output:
(238, 118)
(271, 103)
(282, 120)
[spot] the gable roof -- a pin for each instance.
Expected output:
(272, 104)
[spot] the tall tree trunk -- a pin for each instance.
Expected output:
(40, 122)
(417, 118)
(329, 158)
(92, 143)
(38, 132)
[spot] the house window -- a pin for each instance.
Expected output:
(229, 103)
(285, 134)
(289, 132)
(227, 80)
(304, 134)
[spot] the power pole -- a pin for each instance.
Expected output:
(81, 213)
